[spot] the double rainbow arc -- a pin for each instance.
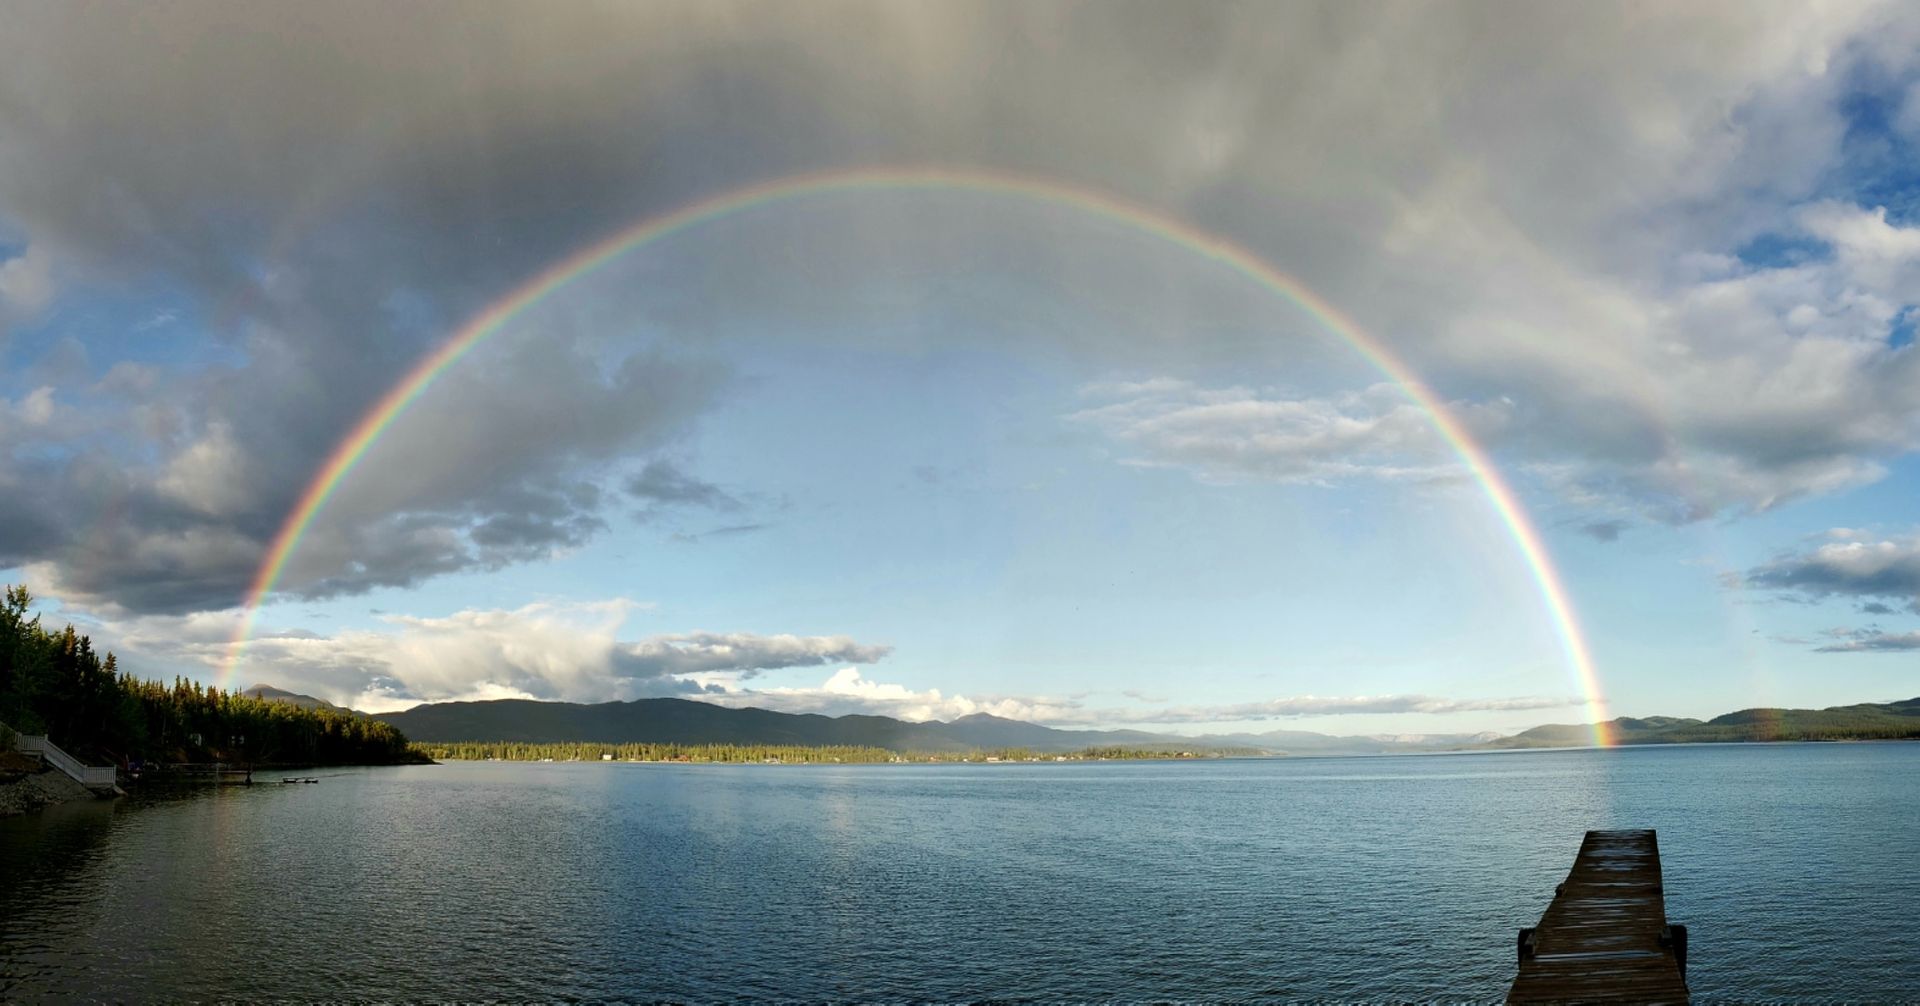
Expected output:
(394, 403)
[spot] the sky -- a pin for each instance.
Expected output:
(932, 451)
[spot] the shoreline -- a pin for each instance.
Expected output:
(37, 791)
(1073, 760)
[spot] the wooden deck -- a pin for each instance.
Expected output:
(1605, 936)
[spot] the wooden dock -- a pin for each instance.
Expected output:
(1605, 937)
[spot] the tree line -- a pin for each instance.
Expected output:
(741, 754)
(55, 683)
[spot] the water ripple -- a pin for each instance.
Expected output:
(1308, 880)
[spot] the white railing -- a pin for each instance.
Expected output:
(90, 776)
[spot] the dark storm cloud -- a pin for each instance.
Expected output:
(333, 197)
(488, 473)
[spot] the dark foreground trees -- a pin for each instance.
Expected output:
(53, 682)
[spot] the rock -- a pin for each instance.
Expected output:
(39, 790)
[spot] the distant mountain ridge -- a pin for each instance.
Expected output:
(683, 721)
(272, 694)
(1863, 721)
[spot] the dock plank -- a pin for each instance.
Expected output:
(1605, 936)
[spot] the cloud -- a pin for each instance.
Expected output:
(1873, 641)
(555, 651)
(35, 408)
(1310, 705)
(1847, 566)
(1604, 530)
(208, 475)
(1738, 391)
(662, 484)
(1233, 434)
(26, 282)
(847, 691)
(574, 651)
(357, 188)
(745, 653)
(484, 472)
(727, 531)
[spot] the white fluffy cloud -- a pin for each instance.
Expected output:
(1723, 388)
(26, 281)
(34, 409)
(1728, 386)
(847, 691)
(574, 652)
(567, 651)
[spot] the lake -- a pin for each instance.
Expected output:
(1358, 878)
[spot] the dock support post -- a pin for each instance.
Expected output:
(1675, 939)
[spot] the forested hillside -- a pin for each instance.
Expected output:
(1866, 721)
(679, 721)
(54, 682)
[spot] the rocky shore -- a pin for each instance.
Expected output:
(27, 786)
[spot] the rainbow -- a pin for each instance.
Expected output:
(1138, 217)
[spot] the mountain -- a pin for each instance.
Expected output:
(1864, 721)
(677, 721)
(682, 721)
(983, 730)
(272, 694)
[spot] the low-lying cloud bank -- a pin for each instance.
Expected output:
(846, 691)
(578, 652)
(556, 651)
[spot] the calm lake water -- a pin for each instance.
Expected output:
(1794, 867)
